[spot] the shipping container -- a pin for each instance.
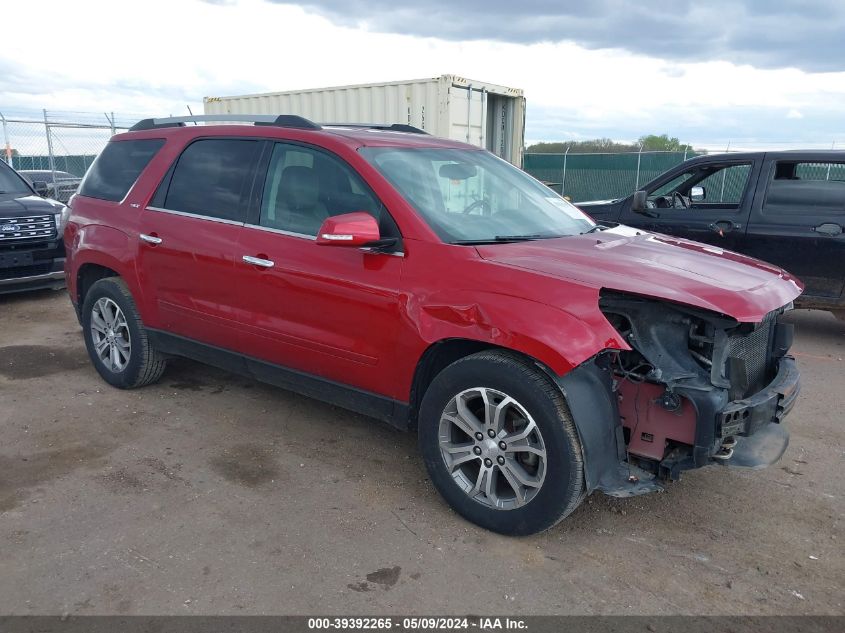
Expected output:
(476, 112)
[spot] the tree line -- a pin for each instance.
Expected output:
(648, 143)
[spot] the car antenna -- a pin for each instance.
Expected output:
(189, 112)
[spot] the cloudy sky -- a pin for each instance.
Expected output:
(755, 73)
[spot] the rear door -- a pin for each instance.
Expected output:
(717, 216)
(188, 236)
(798, 223)
(327, 311)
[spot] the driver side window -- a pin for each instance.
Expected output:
(726, 186)
(707, 187)
(305, 186)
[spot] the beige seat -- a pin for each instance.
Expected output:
(298, 207)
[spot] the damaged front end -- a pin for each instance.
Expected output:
(696, 388)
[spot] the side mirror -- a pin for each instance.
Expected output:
(697, 194)
(638, 204)
(41, 188)
(350, 229)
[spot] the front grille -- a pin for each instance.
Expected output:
(33, 227)
(749, 359)
(25, 271)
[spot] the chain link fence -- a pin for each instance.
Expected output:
(58, 147)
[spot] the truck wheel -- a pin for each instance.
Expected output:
(500, 445)
(115, 337)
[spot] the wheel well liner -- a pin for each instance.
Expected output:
(87, 276)
(435, 359)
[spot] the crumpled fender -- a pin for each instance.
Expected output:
(553, 336)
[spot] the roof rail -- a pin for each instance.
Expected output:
(283, 120)
(391, 127)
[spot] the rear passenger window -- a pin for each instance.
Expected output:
(213, 178)
(800, 188)
(117, 168)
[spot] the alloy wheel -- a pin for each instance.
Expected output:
(492, 448)
(110, 334)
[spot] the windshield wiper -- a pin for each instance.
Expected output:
(504, 239)
(603, 226)
(594, 228)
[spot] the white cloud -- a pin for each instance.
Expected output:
(158, 56)
(794, 114)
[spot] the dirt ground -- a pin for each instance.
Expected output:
(210, 494)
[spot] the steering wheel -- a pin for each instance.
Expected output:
(478, 204)
(680, 201)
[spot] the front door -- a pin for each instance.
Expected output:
(188, 236)
(705, 203)
(325, 311)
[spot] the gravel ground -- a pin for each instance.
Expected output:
(211, 494)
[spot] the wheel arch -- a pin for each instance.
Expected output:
(87, 275)
(97, 252)
(443, 353)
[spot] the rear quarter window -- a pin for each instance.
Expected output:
(117, 168)
(806, 188)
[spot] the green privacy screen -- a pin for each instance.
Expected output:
(600, 176)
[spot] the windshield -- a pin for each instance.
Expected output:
(10, 182)
(469, 196)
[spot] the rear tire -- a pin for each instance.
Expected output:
(115, 337)
(500, 445)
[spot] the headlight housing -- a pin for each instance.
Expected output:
(62, 214)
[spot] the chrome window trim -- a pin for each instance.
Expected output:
(302, 236)
(195, 216)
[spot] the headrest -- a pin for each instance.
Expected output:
(299, 187)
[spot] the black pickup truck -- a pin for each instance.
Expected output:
(32, 253)
(786, 208)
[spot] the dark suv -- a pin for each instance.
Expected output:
(32, 254)
(58, 185)
(425, 282)
(787, 208)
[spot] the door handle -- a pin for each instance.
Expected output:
(723, 226)
(150, 239)
(828, 228)
(257, 261)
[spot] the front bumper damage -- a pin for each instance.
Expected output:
(696, 389)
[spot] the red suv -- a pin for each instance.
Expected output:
(539, 355)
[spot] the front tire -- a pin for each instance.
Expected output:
(500, 445)
(115, 337)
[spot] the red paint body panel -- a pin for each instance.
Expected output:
(189, 278)
(650, 424)
(657, 266)
(366, 319)
(328, 311)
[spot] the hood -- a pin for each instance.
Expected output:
(658, 266)
(15, 205)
